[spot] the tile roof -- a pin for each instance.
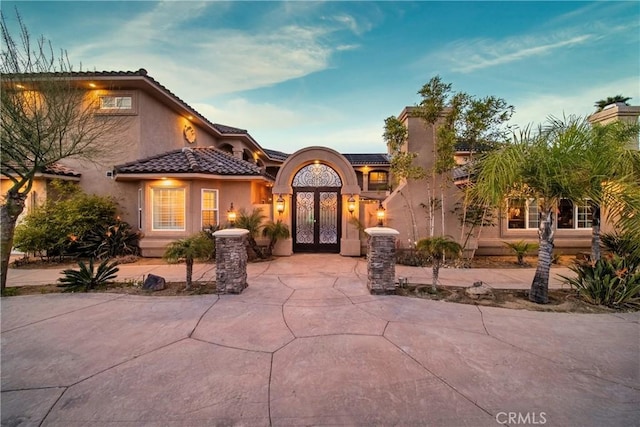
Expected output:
(276, 155)
(353, 159)
(205, 160)
(367, 159)
(61, 170)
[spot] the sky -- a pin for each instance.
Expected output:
(297, 74)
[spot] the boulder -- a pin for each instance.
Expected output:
(154, 283)
(479, 290)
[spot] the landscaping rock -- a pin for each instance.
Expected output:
(154, 283)
(479, 290)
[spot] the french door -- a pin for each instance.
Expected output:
(316, 219)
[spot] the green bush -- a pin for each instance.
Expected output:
(59, 226)
(625, 245)
(521, 249)
(612, 281)
(109, 241)
(85, 279)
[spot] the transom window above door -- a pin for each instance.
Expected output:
(317, 175)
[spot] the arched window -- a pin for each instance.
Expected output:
(317, 175)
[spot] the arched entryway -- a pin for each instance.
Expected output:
(315, 184)
(316, 209)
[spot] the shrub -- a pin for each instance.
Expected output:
(58, 227)
(85, 279)
(109, 241)
(613, 281)
(275, 231)
(521, 249)
(625, 245)
(253, 223)
(411, 257)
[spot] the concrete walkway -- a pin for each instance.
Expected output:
(306, 344)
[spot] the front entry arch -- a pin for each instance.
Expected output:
(317, 209)
(330, 193)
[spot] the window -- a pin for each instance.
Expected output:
(168, 208)
(516, 213)
(525, 214)
(116, 102)
(209, 207)
(574, 216)
(378, 181)
(584, 214)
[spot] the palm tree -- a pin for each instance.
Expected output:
(611, 100)
(437, 248)
(611, 172)
(274, 231)
(253, 223)
(521, 248)
(547, 166)
(197, 246)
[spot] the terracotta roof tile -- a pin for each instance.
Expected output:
(207, 160)
(58, 169)
(367, 159)
(276, 155)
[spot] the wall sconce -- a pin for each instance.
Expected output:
(231, 216)
(351, 204)
(280, 204)
(380, 214)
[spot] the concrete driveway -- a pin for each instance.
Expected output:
(306, 344)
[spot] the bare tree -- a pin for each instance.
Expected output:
(45, 117)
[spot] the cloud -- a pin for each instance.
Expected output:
(199, 62)
(465, 56)
(535, 109)
(281, 128)
(582, 27)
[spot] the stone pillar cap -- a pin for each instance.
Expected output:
(231, 232)
(381, 231)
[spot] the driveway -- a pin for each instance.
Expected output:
(306, 344)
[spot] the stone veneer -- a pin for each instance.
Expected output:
(381, 259)
(231, 260)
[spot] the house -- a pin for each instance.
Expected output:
(174, 172)
(519, 221)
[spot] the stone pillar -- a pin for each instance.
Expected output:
(381, 259)
(231, 260)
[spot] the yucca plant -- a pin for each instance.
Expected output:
(614, 282)
(521, 249)
(275, 231)
(108, 241)
(437, 248)
(197, 246)
(85, 278)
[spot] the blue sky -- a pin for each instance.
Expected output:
(297, 74)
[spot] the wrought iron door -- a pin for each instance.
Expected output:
(316, 222)
(316, 206)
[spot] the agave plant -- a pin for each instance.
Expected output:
(85, 278)
(614, 282)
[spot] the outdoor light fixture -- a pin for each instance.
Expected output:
(280, 204)
(380, 213)
(231, 216)
(351, 204)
